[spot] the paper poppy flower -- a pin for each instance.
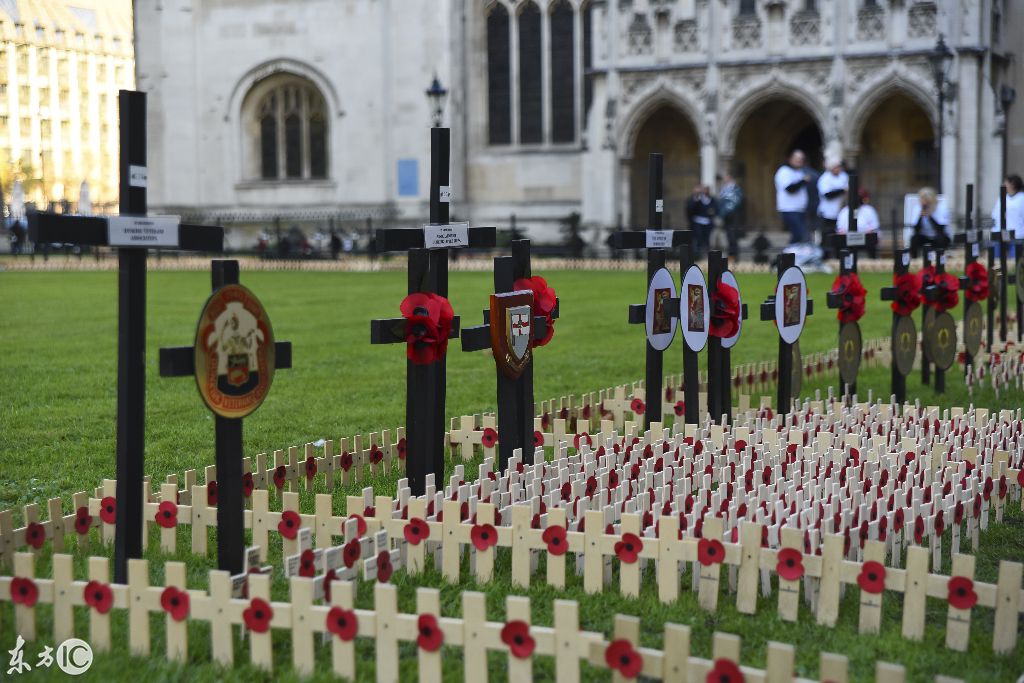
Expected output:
(310, 467)
(483, 536)
(725, 311)
(628, 549)
(289, 525)
(544, 300)
(247, 484)
(516, 634)
(108, 510)
(416, 531)
(908, 293)
(680, 408)
(360, 524)
(211, 493)
(489, 438)
(257, 615)
(555, 538)
(428, 322)
(538, 439)
(790, 565)
(582, 438)
(175, 603)
(83, 520)
(961, 593)
(24, 591)
(872, 577)
(725, 671)
(620, 656)
(851, 295)
(401, 446)
(330, 576)
(946, 295)
(346, 461)
(343, 623)
(35, 535)
(384, 566)
(637, 406)
(351, 552)
(280, 476)
(167, 515)
(99, 596)
(430, 636)
(710, 551)
(376, 454)
(307, 564)
(977, 288)
(897, 520)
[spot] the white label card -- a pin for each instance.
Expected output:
(659, 205)
(974, 250)
(659, 239)
(972, 235)
(445, 236)
(142, 231)
(137, 176)
(856, 239)
(445, 194)
(906, 259)
(848, 262)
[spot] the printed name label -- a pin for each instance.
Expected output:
(856, 239)
(972, 235)
(445, 236)
(659, 239)
(137, 176)
(445, 194)
(659, 205)
(848, 262)
(142, 231)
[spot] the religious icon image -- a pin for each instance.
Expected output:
(695, 306)
(790, 305)
(235, 339)
(662, 320)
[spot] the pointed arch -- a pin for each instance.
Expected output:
(658, 95)
(762, 91)
(877, 91)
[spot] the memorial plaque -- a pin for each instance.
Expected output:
(791, 304)
(694, 309)
(941, 343)
(511, 326)
(974, 326)
(904, 344)
(660, 322)
(850, 345)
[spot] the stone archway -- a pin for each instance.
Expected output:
(670, 132)
(765, 138)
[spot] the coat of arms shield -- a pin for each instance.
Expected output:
(512, 331)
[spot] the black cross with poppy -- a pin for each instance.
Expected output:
(847, 266)
(719, 358)
(900, 266)
(972, 249)
(1002, 237)
(515, 396)
(657, 242)
(785, 365)
(427, 272)
(179, 361)
(133, 233)
(931, 293)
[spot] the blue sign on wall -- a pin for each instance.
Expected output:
(408, 177)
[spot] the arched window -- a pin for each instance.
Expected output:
(499, 80)
(531, 123)
(287, 122)
(563, 73)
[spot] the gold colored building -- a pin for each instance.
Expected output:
(61, 65)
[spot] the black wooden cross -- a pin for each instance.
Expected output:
(428, 272)
(901, 265)
(847, 265)
(719, 357)
(937, 257)
(1004, 238)
(657, 242)
(785, 386)
(132, 233)
(515, 396)
(179, 361)
(853, 240)
(972, 249)
(927, 259)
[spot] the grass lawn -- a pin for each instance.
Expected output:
(57, 421)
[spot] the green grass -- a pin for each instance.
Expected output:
(58, 350)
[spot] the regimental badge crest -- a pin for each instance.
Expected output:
(512, 331)
(234, 352)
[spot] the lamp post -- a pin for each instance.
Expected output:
(435, 95)
(941, 57)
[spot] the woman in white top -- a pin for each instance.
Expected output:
(1014, 210)
(867, 218)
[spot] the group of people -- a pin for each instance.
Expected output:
(702, 209)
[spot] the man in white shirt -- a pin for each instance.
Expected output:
(832, 187)
(791, 196)
(1014, 210)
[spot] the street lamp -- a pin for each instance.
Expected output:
(941, 57)
(435, 95)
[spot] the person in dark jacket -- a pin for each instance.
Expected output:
(700, 210)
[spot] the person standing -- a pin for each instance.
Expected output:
(1014, 210)
(930, 226)
(791, 196)
(832, 187)
(730, 204)
(867, 219)
(700, 209)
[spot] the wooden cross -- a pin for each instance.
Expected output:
(719, 356)
(132, 233)
(853, 240)
(179, 361)
(515, 396)
(427, 249)
(657, 242)
(901, 264)
(768, 312)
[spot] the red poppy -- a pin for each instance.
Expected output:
(946, 295)
(376, 454)
(977, 289)
(680, 408)
(637, 406)
(175, 603)
(307, 564)
(428, 322)
(961, 593)
(790, 565)
(24, 591)
(280, 475)
(710, 551)
(401, 446)
(489, 438)
(544, 300)
(516, 634)
(35, 535)
(343, 623)
(384, 566)
(351, 553)
(83, 520)
(897, 520)
(725, 311)
(483, 536)
(620, 656)
(346, 461)
(628, 549)
(430, 635)
(725, 671)
(108, 510)
(538, 439)
(360, 524)
(167, 515)
(289, 524)
(582, 438)
(211, 493)
(851, 295)
(416, 530)
(872, 577)
(908, 293)
(555, 537)
(329, 577)
(310, 467)
(99, 596)
(257, 615)
(247, 484)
